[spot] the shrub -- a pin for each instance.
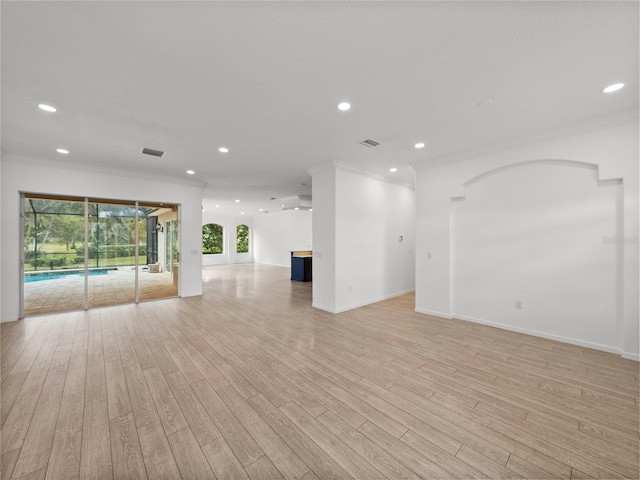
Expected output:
(114, 251)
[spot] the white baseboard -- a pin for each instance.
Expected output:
(535, 333)
(320, 307)
(362, 304)
(191, 294)
(433, 313)
(631, 356)
(375, 300)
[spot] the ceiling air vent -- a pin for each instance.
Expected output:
(369, 143)
(151, 151)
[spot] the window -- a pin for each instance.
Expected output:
(242, 234)
(212, 239)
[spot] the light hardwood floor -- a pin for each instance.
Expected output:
(250, 382)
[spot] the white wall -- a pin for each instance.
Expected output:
(370, 262)
(276, 234)
(534, 234)
(323, 229)
(1, 234)
(533, 224)
(24, 174)
(229, 238)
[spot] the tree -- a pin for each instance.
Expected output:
(212, 238)
(69, 229)
(39, 229)
(243, 239)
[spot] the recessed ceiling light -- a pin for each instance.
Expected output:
(241, 213)
(217, 206)
(311, 209)
(613, 88)
(191, 172)
(394, 169)
(223, 150)
(419, 145)
(344, 106)
(237, 201)
(296, 208)
(260, 209)
(47, 108)
(63, 151)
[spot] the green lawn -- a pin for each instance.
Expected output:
(55, 252)
(103, 262)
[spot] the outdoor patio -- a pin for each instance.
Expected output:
(115, 287)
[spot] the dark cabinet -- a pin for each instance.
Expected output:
(301, 266)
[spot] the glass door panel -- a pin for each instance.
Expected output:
(112, 253)
(81, 252)
(53, 254)
(171, 250)
(158, 277)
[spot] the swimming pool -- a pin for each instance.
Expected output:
(38, 277)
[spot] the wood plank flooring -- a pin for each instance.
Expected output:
(250, 382)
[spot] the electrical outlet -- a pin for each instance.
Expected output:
(349, 287)
(519, 304)
(428, 255)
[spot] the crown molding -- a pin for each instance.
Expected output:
(324, 167)
(623, 118)
(22, 159)
(347, 167)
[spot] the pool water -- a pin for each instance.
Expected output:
(28, 278)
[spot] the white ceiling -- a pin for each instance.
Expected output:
(264, 79)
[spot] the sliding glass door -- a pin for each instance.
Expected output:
(112, 253)
(84, 252)
(53, 257)
(159, 277)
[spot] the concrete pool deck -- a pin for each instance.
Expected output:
(116, 287)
